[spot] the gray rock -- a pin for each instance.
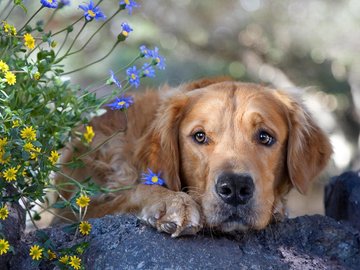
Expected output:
(122, 242)
(342, 198)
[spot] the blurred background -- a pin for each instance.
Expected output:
(310, 47)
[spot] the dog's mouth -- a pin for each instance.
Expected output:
(234, 222)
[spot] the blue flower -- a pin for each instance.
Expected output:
(159, 60)
(133, 76)
(152, 178)
(49, 3)
(145, 52)
(91, 11)
(121, 103)
(126, 29)
(115, 80)
(129, 5)
(148, 70)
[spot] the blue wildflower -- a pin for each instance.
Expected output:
(121, 103)
(159, 60)
(49, 3)
(126, 29)
(129, 5)
(152, 178)
(91, 11)
(145, 52)
(115, 80)
(133, 76)
(148, 70)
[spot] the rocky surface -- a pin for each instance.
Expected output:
(121, 242)
(342, 198)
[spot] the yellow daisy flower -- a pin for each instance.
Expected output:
(54, 157)
(28, 147)
(51, 254)
(64, 259)
(85, 227)
(3, 142)
(89, 134)
(35, 153)
(28, 133)
(10, 174)
(4, 212)
(10, 78)
(3, 66)
(2, 159)
(75, 262)
(15, 123)
(37, 75)
(4, 246)
(36, 252)
(29, 41)
(83, 201)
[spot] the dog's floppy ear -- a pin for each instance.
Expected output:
(158, 149)
(308, 149)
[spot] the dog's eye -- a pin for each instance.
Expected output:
(265, 138)
(200, 137)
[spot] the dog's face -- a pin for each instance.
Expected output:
(237, 149)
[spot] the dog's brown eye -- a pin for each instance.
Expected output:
(265, 138)
(200, 137)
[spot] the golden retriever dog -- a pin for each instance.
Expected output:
(228, 153)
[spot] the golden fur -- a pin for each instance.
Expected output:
(160, 135)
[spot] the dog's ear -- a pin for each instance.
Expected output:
(308, 148)
(158, 149)
(201, 83)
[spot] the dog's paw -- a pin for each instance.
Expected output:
(177, 214)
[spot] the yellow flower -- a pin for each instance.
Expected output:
(8, 28)
(10, 174)
(64, 259)
(75, 262)
(10, 78)
(54, 156)
(4, 212)
(29, 41)
(28, 147)
(83, 201)
(51, 254)
(85, 227)
(3, 142)
(15, 123)
(3, 66)
(37, 75)
(28, 133)
(35, 153)
(36, 252)
(4, 246)
(89, 134)
(2, 159)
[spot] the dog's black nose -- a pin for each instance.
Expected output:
(235, 189)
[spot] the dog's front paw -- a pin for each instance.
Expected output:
(177, 214)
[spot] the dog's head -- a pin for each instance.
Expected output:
(236, 148)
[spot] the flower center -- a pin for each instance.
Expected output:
(91, 13)
(50, 1)
(127, 2)
(154, 179)
(125, 33)
(121, 103)
(133, 76)
(157, 59)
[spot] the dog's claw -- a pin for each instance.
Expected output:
(168, 227)
(152, 221)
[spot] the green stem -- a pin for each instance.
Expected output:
(62, 45)
(28, 211)
(72, 44)
(51, 212)
(76, 182)
(50, 19)
(32, 17)
(66, 28)
(95, 62)
(97, 31)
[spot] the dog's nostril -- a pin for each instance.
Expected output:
(235, 189)
(224, 190)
